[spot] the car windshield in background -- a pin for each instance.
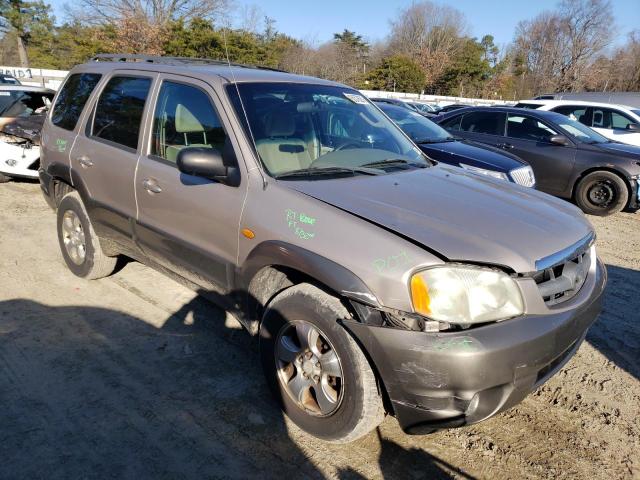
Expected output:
(581, 132)
(8, 80)
(308, 129)
(420, 129)
(637, 112)
(16, 103)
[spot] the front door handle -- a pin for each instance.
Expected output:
(506, 146)
(85, 161)
(151, 185)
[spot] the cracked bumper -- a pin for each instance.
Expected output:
(453, 379)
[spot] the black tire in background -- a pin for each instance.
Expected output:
(360, 408)
(95, 263)
(601, 193)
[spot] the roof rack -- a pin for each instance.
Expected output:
(135, 58)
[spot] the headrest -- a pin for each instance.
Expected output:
(597, 117)
(279, 124)
(186, 122)
(529, 122)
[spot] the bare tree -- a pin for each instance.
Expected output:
(430, 34)
(154, 12)
(557, 48)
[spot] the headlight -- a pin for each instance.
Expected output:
(465, 294)
(11, 162)
(484, 171)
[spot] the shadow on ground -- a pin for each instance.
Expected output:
(616, 333)
(95, 393)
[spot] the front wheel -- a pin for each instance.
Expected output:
(318, 373)
(602, 193)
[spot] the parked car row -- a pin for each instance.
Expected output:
(569, 160)
(376, 279)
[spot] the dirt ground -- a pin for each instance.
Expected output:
(133, 376)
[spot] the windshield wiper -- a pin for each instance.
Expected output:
(390, 162)
(313, 171)
(435, 140)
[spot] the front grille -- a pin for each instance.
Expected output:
(561, 282)
(523, 176)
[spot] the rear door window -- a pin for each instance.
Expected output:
(452, 123)
(118, 114)
(72, 98)
(184, 117)
(529, 128)
(490, 123)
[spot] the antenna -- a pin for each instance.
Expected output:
(244, 111)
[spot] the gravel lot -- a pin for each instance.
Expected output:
(133, 376)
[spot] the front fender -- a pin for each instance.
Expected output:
(325, 271)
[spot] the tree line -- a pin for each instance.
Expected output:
(428, 48)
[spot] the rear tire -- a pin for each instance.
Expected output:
(602, 193)
(79, 244)
(336, 408)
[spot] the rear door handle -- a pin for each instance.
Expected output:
(151, 185)
(85, 161)
(506, 146)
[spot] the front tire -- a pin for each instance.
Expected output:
(78, 241)
(602, 193)
(318, 373)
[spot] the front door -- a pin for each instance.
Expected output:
(105, 153)
(186, 223)
(552, 164)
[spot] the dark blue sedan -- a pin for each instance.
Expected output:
(438, 144)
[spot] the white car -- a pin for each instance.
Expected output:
(22, 111)
(617, 122)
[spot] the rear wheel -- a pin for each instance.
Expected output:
(602, 193)
(318, 373)
(78, 241)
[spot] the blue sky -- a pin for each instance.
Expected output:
(318, 20)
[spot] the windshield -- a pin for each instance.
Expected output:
(580, 132)
(298, 127)
(420, 129)
(16, 103)
(8, 80)
(637, 112)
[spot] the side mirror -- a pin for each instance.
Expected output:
(560, 140)
(207, 163)
(633, 127)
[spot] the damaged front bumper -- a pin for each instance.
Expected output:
(451, 379)
(19, 160)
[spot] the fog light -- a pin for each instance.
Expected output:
(11, 162)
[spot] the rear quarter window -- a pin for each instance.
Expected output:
(72, 98)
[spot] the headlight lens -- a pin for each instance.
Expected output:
(484, 171)
(465, 294)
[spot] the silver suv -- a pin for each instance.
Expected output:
(377, 281)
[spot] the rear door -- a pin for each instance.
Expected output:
(105, 153)
(481, 126)
(60, 129)
(186, 223)
(529, 138)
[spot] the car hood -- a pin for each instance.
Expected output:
(470, 154)
(460, 215)
(621, 148)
